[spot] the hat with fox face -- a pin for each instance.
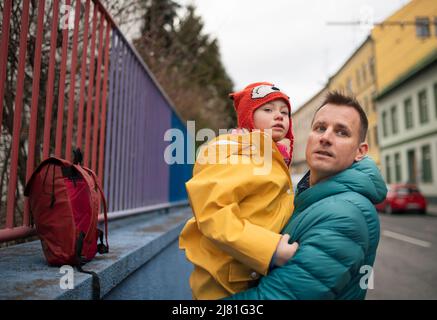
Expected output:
(254, 96)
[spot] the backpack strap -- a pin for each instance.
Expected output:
(89, 181)
(85, 173)
(48, 161)
(79, 263)
(105, 211)
(105, 214)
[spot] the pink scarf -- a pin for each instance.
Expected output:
(285, 153)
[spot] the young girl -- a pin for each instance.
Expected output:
(234, 237)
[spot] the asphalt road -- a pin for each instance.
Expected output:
(406, 262)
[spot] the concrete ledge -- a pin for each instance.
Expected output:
(133, 242)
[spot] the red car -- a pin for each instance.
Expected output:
(403, 197)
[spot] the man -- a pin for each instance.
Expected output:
(334, 222)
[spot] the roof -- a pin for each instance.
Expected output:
(357, 50)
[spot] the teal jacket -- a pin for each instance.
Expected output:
(337, 228)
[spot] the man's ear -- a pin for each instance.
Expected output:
(362, 151)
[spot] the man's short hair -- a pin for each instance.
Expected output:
(340, 99)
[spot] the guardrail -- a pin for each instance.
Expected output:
(71, 81)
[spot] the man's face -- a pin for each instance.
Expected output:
(334, 141)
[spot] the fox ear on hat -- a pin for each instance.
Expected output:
(236, 97)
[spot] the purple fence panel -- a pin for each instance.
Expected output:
(159, 123)
(124, 107)
(144, 152)
(130, 127)
(133, 143)
(139, 113)
(117, 127)
(119, 118)
(109, 121)
(138, 146)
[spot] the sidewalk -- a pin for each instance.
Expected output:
(432, 210)
(144, 263)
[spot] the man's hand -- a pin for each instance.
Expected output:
(284, 250)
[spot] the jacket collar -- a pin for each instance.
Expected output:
(362, 177)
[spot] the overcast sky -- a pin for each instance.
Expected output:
(288, 42)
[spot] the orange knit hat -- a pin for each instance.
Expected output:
(254, 96)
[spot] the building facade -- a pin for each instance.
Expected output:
(407, 113)
(403, 39)
(395, 46)
(357, 77)
(301, 128)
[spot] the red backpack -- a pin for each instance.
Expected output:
(64, 200)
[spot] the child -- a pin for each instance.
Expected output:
(234, 237)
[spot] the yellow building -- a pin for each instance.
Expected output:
(357, 77)
(395, 46)
(404, 39)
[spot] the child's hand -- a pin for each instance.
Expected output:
(284, 251)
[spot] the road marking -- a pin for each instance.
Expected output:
(405, 238)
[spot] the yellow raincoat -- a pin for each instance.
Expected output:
(241, 196)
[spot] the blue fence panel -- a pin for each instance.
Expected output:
(180, 173)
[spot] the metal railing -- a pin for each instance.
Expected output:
(116, 112)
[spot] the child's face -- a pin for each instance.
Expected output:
(273, 115)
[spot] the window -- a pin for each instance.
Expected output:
(349, 86)
(398, 175)
(374, 101)
(372, 67)
(426, 164)
(411, 166)
(358, 75)
(394, 119)
(366, 104)
(423, 107)
(363, 105)
(384, 124)
(369, 138)
(408, 111)
(375, 134)
(435, 99)
(422, 27)
(407, 190)
(364, 73)
(387, 169)
(435, 26)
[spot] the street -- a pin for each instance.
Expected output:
(406, 262)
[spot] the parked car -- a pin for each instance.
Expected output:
(401, 198)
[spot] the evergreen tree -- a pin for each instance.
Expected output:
(187, 64)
